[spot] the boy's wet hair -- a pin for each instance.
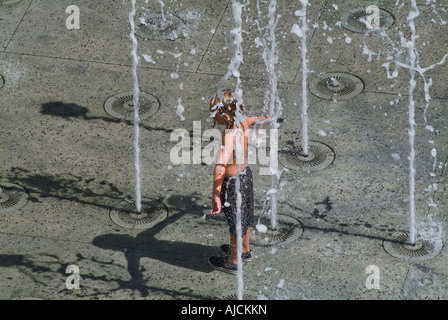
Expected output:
(228, 105)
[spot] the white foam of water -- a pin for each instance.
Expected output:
(297, 30)
(281, 283)
(180, 109)
(434, 155)
(148, 58)
(396, 156)
(261, 228)
(348, 39)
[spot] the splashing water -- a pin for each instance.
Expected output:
(237, 11)
(272, 101)
(180, 109)
(136, 93)
(233, 70)
(414, 67)
(237, 58)
(412, 62)
(162, 5)
(302, 35)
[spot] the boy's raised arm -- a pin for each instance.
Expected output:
(252, 120)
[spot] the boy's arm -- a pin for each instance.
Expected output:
(250, 121)
(220, 170)
(217, 186)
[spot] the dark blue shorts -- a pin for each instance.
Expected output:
(229, 197)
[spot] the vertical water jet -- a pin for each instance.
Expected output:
(136, 92)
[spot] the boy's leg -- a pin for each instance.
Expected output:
(232, 258)
(248, 205)
(246, 238)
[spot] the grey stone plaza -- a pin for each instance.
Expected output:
(67, 160)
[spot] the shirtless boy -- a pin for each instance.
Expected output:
(231, 162)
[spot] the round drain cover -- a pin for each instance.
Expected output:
(247, 295)
(336, 86)
(126, 215)
(155, 26)
(9, 1)
(399, 247)
(121, 105)
(288, 229)
(12, 197)
(355, 20)
(2, 81)
(319, 157)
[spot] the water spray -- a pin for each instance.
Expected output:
(136, 91)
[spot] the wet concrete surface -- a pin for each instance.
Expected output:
(76, 161)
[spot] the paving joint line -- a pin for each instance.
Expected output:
(17, 27)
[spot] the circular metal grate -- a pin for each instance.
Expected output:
(247, 295)
(121, 105)
(355, 20)
(336, 86)
(8, 1)
(126, 215)
(12, 197)
(398, 246)
(319, 157)
(288, 229)
(155, 26)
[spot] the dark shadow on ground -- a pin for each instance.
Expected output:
(70, 111)
(67, 187)
(192, 256)
(42, 267)
(321, 219)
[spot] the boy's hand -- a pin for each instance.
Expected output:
(216, 205)
(260, 119)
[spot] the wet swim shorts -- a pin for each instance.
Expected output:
(229, 197)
